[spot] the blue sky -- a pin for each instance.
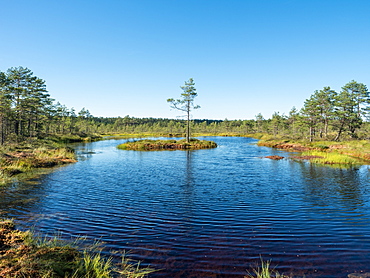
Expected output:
(119, 58)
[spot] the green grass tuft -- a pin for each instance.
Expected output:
(265, 271)
(132, 269)
(93, 266)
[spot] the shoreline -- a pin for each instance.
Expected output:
(23, 254)
(345, 153)
(25, 160)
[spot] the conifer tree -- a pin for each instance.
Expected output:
(5, 107)
(186, 103)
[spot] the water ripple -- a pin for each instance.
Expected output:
(206, 213)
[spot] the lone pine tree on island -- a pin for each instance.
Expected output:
(186, 103)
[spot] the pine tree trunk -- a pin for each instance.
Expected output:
(188, 122)
(188, 129)
(339, 132)
(2, 131)
(311, 133)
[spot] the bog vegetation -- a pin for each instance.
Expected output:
(28, 114)
(23, 254)
(27, 111)
(330, 128)
(159, 145)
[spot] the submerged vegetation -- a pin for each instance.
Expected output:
(155, 145)
(22, 254)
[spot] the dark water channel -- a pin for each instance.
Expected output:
(205, 213)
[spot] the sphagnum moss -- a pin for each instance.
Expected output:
(22, 254)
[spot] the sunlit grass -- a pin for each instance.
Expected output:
(350, 153)
(132, 269)
(28, 255)
(23, 159)
(155, 145)
(71, 138)
(265, 271)
(331, 158)
(93, 266)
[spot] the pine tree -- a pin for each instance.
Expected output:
(5, 108)
(186, 103)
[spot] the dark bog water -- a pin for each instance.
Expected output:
(206, 213)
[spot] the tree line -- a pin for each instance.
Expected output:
(325, 115)
(28, 111)
(329, 115)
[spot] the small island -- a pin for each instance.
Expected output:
(161, 145)
(185, 104)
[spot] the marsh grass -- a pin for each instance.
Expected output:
(23, 254)
(155, 145)
(70, 138)
(321, 157)
(265, 271)
(93, 266)
(345, 153)
(22, 159)
(132, 269)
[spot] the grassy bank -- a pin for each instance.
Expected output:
(15, 160)
(155, 145)
(355, 152)
(46, 152)
(73, 138)
(22, 254)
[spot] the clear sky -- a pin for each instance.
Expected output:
(127, 57)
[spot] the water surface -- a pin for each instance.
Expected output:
(205, 213)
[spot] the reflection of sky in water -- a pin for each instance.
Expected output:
(205, 211)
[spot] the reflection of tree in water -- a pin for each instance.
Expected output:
(84, 150)
(188, 183)
(189, 169)
(326, 186)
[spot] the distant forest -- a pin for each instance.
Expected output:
(27, 111)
